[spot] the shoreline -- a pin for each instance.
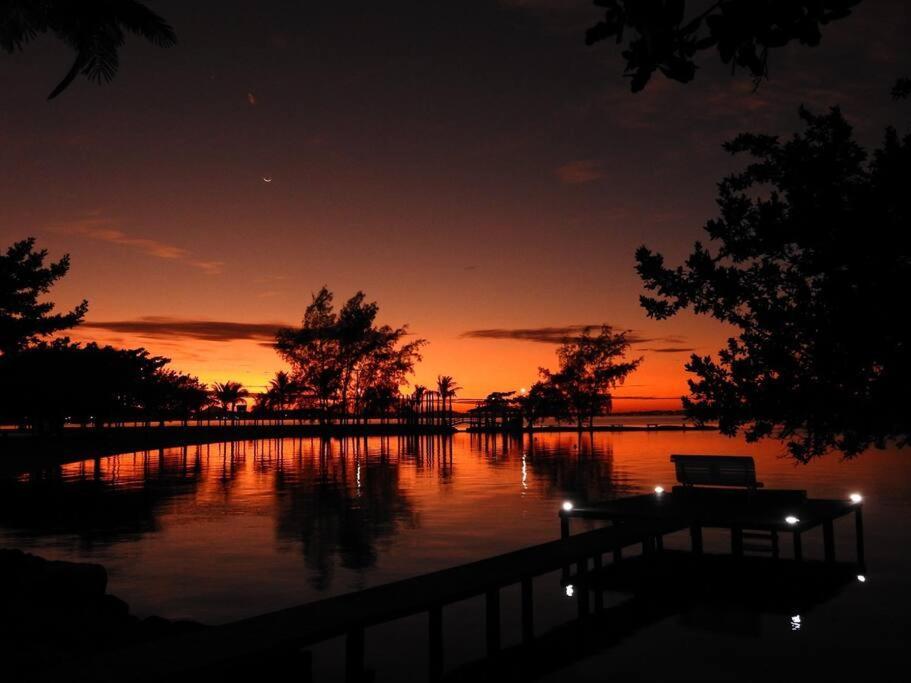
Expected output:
(23, 450)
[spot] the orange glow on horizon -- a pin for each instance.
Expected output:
(479, 366)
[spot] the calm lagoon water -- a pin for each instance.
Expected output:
(222, 531)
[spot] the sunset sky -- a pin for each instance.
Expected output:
(472, 166)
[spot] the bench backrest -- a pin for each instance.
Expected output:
(716, 470)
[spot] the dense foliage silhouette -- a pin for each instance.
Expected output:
(660, 36)
(342, 361)
(811, 268)
(590, 366)
(50, 384)
(228, 395)
(24, 279)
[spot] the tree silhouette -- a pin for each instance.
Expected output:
(901, 90)
(660, 36)
(174, 394)
(417, 397)
(543, 399)
(343, 358)
(590, 366)
(448, 388)
(228, 394)
(94, 29)
(812, 268)
(24, 277)
(281, 391)
(48, 384)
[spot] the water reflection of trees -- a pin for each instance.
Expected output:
(338, 502)
(97, 502)
(575, 466)
(343, 499)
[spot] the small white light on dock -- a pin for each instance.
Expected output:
(567, 506)
(861, 578)
(569, 590)
(795, 622)
(659, 490)
(856, 498)
(791, 519)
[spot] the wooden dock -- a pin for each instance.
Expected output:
(644, 519)
(697, 588)
(760, 514)
(350, 615)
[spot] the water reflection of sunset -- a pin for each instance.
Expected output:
(323, 517)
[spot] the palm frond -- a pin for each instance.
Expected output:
(141, 21)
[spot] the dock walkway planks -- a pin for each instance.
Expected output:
(772, 511)
(351, 613)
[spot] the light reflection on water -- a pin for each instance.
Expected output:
(222, 531)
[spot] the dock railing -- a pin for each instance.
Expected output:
(351, 614)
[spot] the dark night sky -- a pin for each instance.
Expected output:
(470, 165)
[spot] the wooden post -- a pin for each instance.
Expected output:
(696, 536)
(305, 667)
(828, 538)
(493, 621)
(354, 655)
(528, 614)
(859, 532)
(798, 548)
(564, 525)
(596, 582)
(435, 632)
(582, 588)
(737, 541)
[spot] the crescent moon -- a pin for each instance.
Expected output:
(267, 179)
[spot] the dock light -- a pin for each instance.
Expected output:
(856, 498)
(567, 506)
(796, 623)
(659, 490)
(791, 519)
(861, 578)
(569, 590)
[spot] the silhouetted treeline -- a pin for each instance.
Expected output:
(50, 384)
(810, 264)
(44, 384)
(590, 366)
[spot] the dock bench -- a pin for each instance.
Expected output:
(723, 492)
(716, 470)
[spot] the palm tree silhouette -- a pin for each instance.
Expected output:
(417, 399)
(228, 394)
(448, 388)
(281, 390)
(94, 29)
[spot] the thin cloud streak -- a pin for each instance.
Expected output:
(98, 229)
(186, 328)
(580, 172)
(560, 334)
